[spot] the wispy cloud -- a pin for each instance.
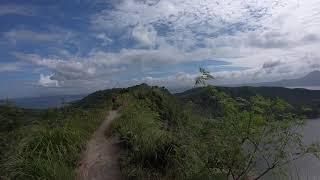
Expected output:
(269, 39)
(29, 35)
(245, 33)
(14, 9)
(10, 67)
(63, 70)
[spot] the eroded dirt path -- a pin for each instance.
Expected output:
(100, 160)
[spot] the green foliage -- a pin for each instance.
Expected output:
(12, 117)
(165, 138)
(203, 134)
(45, 153)
(46, 144)
(146, 153)
(305, 102)
(205, 76)
(144, 134)
(265, 127)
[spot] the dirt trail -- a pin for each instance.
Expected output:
(100, 160)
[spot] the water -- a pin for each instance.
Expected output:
(308, 167)
(306, 87)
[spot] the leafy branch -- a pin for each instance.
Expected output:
(203, 77)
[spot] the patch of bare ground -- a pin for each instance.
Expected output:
(100, 161)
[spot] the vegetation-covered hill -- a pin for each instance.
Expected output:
(204, 133)
(170, 137)
(46, 144)
(305, 102)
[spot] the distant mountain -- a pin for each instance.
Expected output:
(311, 79)
(44, 102)
(299, 98)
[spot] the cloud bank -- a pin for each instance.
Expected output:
(138, 41)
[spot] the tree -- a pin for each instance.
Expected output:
(255, 131)
(205, 76)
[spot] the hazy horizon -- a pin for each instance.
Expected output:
(184, 88)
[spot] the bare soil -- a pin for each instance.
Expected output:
(100, 161)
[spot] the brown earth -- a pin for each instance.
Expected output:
(100, 160)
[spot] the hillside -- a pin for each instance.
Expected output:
(46, 144)
(306, 102)
(198, 134)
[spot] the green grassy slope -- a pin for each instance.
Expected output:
(306, 102)
(46, 144)
(192, 135)
(160, 139)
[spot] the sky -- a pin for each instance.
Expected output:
(51, 47)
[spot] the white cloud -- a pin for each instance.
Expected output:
(57, 35)
(175, 81)
(63, 70)
(10, 9)
(274, 39)
(10, 67)
(144, 36)
(104, 38)
(47, 81)
(246, 33)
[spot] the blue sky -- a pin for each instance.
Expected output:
(53, 47)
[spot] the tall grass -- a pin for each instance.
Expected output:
(145, 156)
(44, 153)
(161, 140)
(51, 147)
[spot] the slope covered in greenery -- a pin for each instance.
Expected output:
(46, 144)
(204, 133)
(218, 136)
(305, 102)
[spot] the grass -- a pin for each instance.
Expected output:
(45, 153)
(49, 146)
(136, 121)
(161, 139)
(162, 136)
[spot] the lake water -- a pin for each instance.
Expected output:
(308, 167)
(306, 87)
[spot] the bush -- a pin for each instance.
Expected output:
(49, 146)
(216, 138)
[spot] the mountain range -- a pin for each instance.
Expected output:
(311, 79)
(44, 102)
